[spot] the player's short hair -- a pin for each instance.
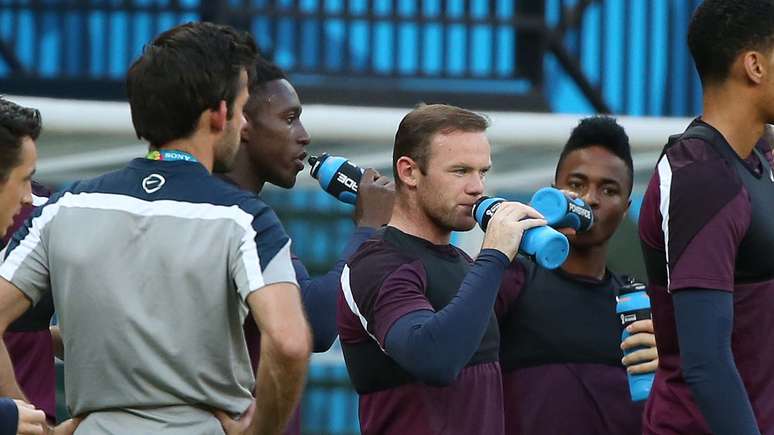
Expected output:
(265, 71)
(183, 72)
(601, 131)
(721, 29)
(16, 123)
(418, 127)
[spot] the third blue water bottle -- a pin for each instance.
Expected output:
(633, 305)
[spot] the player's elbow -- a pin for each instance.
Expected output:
(700, 368)
(293, 346)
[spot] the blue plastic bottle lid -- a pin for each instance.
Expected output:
(551, 203)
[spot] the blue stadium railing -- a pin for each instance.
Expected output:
(561, 55)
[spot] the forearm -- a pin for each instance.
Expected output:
(319, 298)
(12, 305)
(436, 346)
(8, 385)
(704, 321)
(279, 384)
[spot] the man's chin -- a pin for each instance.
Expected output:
(584, 240)
(465, 224)
(285, 182)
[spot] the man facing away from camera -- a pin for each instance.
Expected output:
(154, 267)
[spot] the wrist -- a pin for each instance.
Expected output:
(494, 248)
(495, 255)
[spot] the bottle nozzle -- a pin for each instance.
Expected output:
(315, 162)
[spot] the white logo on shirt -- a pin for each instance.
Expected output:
(153, 183)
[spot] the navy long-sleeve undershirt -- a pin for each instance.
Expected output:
(436, 346)
(704, 320)
(319, 294)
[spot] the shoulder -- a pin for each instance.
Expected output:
(377, 255)
(376, 260)
(695, 180)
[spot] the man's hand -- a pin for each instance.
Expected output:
(508, 224)
(643, 360)
(567, 231)
(236, 427)
(66, 428)
(31, 420)
(375, 197)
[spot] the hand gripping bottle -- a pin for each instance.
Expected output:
(548, 246)
(561, 211)
(633, 305)
(337, 176)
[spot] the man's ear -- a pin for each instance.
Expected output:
(755, 66)
(219, 117)
(407, 171)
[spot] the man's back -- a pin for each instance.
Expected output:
(150, 267)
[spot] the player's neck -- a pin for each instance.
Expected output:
(203, 153)
(588, 261)
(244, 175)
(734, 117)
(411, 220)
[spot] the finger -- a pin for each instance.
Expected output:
(528, 212)
(570, 193)
(368, 177)
(382, 181)
(516, 211)
(639, 356)
(32, 415)
(531, 223)
(23, 404)
(641, 326)
(377, 174)
(68, 427)
(225, 419)
(637, 340)
(247, 417)
(648, 367)
(29, 428)
(567, 231)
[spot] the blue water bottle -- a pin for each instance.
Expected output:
(561, 211)
(633, 305)
(337, 176)
(548, 246)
